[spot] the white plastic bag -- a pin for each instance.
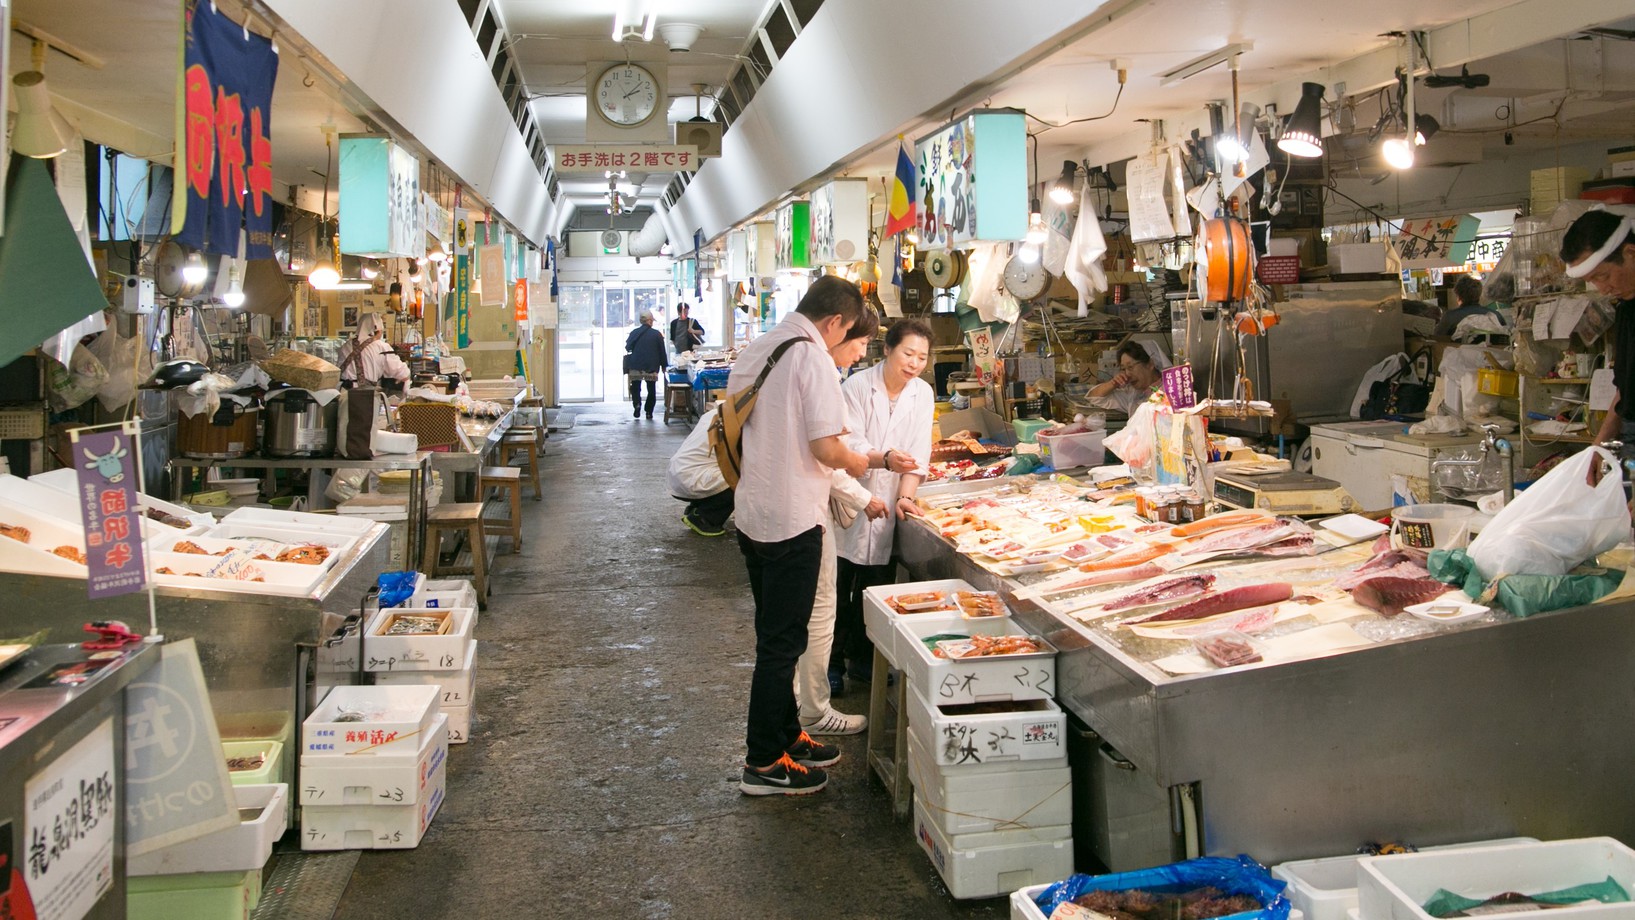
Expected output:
(1134, 442)
(1558, 523)
(69, 387)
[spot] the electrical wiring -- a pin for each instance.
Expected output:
(1077, 121)
(1378, 216)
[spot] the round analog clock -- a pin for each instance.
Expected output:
(1025, 281)
(626, 95)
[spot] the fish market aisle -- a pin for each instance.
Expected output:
(601, 776)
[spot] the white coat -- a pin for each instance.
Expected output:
(907, 429)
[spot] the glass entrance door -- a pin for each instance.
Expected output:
(579, 349)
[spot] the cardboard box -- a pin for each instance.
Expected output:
(983, 422)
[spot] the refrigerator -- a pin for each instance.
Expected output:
(1364, 456)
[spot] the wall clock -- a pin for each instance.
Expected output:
(626, 95)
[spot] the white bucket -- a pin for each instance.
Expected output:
(1430, 527)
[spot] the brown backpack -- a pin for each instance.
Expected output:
(727, 431)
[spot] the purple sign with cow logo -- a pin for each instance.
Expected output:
(108, 478)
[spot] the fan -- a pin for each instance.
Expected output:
(611, 240)
(168, 261)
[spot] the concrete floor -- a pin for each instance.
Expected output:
(601, 776)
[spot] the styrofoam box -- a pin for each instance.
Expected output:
(272, 754)
(1000, 796)
(990, 871)
(44, 533)
(947, 681)
(456, 686)
(459, 722)
(1326, 888)
(1028, 730)
(880, 622)
(987, 840)
(393, 779)
(373, 827)
(233, 849)
(418, 653)
(54, 493)
(456, 592)
(167, 543)
(338, 543)
(1394, 887)
(1023, 907)
(302, 519)
(187, 571)
(405, 715)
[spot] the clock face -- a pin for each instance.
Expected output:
(1025, 281)
(626, 94)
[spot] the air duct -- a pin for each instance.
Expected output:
(649, 239)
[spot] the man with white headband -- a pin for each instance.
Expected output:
(1599, 247)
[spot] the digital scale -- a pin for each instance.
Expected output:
(1283, 492)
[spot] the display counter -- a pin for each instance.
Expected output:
(1496, 728)
(62, 751)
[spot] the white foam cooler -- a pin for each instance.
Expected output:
(456, 686)
(443, 652)
(374, 826)
(400, 717)
(989, 797)
(880, 621)
(1395, 887)
(959, 735)
(986, 872)
(393, 779)
(1325, 889)
(947, 681)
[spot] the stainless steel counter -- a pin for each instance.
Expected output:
(38, 727)
(247, 642)
(1512, 728)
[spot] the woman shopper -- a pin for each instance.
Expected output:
(644, 359)
(890, 408)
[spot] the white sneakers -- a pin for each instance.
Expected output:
(836, 723)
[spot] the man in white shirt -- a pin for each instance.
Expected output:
(791, 442)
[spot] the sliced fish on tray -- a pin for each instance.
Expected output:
(1223, 521)
(1390, 595)
(1222, 602)
(1096, 580)
(1172, 590)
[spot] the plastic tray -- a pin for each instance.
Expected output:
(974, 680)
(1326, 888)
(1394, 887)
(235, 849)
(880, 621)
(272, 753)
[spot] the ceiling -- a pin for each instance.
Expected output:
(556, 44)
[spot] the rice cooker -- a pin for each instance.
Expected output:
(295, 425)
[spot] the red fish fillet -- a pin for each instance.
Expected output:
(1223, 602)
(1218, 522)
(1391, 595)
(1404, 568)
(1172, 590)
(1248, 622)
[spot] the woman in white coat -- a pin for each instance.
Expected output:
(891, 408)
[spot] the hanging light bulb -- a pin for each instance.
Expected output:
(324, 277)
(1029, 254)
(234, 297)
(1036, 229)
(415, 272)
(1398, 153)
(437, 253)
(194, 271)
(369, 272)
(1062, 191)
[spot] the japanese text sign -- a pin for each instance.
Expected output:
(225, 102)
(462, 300)
(580, 160)
(106, 463)
(1435, 242)
(1178, 388)
(992, 144)
(72, 815)
(519, 301)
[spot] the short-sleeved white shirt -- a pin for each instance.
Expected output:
(784, 490)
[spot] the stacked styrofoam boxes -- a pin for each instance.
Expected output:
(216, 875)
(374, 768)
(988, 757)
(447, 662)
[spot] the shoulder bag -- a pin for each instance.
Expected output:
(727, 431)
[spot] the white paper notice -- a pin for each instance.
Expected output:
(1144, 186)
(1542, 314)
(69, 824)
(1601, 390)
(1568, 311)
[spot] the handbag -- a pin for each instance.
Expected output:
(1396, 396)
(629, 359)
(727, 431)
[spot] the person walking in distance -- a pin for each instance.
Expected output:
(644, 359)
(791, 442)
(685, 332)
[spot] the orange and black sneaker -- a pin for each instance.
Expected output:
(784, 777)
(809, 752)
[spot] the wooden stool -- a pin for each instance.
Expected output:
(888, 748)
(508, 479)
(467, 517)
(519, 439)
(678, 401)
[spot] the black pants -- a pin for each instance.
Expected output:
(713, 511)
(853, 652)
(783, 578)
(636, 394)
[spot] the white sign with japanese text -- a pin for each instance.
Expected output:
(70, 815)
(176, 782)
(596, 159)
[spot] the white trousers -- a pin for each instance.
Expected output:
(812, 670)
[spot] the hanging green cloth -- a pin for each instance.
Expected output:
(46, 285)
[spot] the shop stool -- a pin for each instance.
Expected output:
(888, 748)
(507, 479)
(523, 439)
(466, 517)
(678, 401)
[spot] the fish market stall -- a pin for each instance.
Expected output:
(1297, 720)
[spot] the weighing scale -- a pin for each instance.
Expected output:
(1283, 492)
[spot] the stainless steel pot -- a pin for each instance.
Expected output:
(294, 425)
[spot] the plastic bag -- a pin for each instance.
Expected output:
(126, 365)
(1559, 522)
(1445, 903)
(1134, 442)
(1232, 876)
(346, 484)
(69, 387)
(396, 587)
(1523, 595)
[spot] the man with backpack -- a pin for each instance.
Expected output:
(789, 445)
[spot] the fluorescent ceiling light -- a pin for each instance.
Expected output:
(1200, 64)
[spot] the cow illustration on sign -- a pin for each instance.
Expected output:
(110, 466)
